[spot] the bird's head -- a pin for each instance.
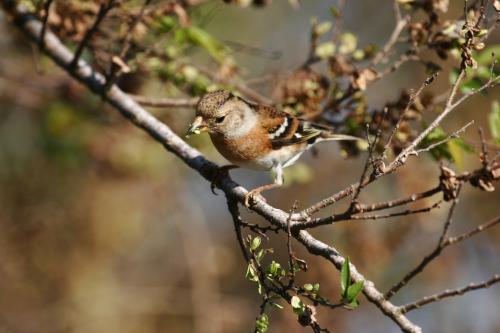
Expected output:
(221, 112)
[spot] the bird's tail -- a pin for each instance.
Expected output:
(329, 136)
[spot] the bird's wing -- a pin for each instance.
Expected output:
(285, 130)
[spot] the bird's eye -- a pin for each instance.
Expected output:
(220, 119)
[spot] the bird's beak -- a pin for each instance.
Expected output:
(196, 127)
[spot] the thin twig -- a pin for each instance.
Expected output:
(306, 213)
(165, 102)
(484, 149)
(45, 19)
(401, 158)
(394, 66)
(369, 160)
(427, 259)
(398, 202)
(291, 256)
(104, 8)
(473, 232)
(449, 220)
(449, 293)
(337, 30)
(114, 69)
(443, 243)
(232, 205)
(396, 214)
(453, 135)
(261, 230)
(412, 100)
(401, 23)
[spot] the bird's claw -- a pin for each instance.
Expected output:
(220, 173)
(251, 198)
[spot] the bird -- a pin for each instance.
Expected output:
(256, 136)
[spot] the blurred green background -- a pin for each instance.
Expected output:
(102, 230)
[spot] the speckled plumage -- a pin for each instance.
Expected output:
(212, 101)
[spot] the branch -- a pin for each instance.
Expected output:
(103, 10)
(466, 235)
(453, 135)
(396, 214)
(412, 100)
(398, 202)
(450, 293)
(165, 102)
(435, 253)
(319, 248)
(369, 161)
(232, 205)
(84, 73)
(45, 19)
(450, 106)
(399, 27)
(116, 65)
(442, 244)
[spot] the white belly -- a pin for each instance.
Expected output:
(285, 156)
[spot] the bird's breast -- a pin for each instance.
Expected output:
(255, 151)
(247, 150)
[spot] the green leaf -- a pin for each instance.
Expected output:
(260, 255)
(354, 290)
(166, 24)
(255, 243)
(456, 153)
(308, 287)
(453, 76)
(325, 50)
(457, 147)
(348, 43)
(471, 85)
(200, 37)
(494, 121)
(354, 304)
(276, 305)
(345, 277)
(180, 36)
(275, 271)
(334, 12)
(295, 302)
(452, 150)
(483, 72)
(262, 323)
(251, 274)
(358, 55)
(485, 58)
(298, 307)
(316, 288)
(323, 27)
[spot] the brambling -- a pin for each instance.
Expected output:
(256, 136)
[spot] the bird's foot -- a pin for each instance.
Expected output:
(220, 173)
(251, 197)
